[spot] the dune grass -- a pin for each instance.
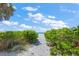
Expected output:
(9, 39)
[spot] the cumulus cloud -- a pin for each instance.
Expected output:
(37, 16)
(55, 23)
(25, 26)
(22, 26)
(9, 23)
(16, 24)
(29, 8)
(50, 20)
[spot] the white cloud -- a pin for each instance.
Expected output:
(53, 17)
(40, 29)
(10, 23)
(35, 21)
(47, 21)
(50, 20)
(55, 24)
(25, 26)
(67, 10)
(37, 16)
(30, 8)
(71, 11)
(16, 24)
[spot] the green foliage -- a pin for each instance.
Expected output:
(6, 10)
(30, 36)
(53, 51)
(64, 41)
(9, 39)
(75, 51)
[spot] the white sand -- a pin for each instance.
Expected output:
(39, 50)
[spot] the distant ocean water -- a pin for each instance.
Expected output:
(41, 32)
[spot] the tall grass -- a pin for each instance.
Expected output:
(10, 39)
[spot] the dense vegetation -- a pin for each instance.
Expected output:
(64, 41)
(9, 39)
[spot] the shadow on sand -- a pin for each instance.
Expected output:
(37, 43)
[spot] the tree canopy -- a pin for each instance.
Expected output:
(6, 10)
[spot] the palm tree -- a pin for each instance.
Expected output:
(6, 10)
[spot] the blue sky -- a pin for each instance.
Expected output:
(42, 16)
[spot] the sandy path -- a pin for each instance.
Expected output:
(36, 50)
(40, 50)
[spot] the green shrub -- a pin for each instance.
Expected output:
(75, 51)
(3, 46)
(30, 36)
(1, 35)
(54, 51)
(9, 39)
(64, 41)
